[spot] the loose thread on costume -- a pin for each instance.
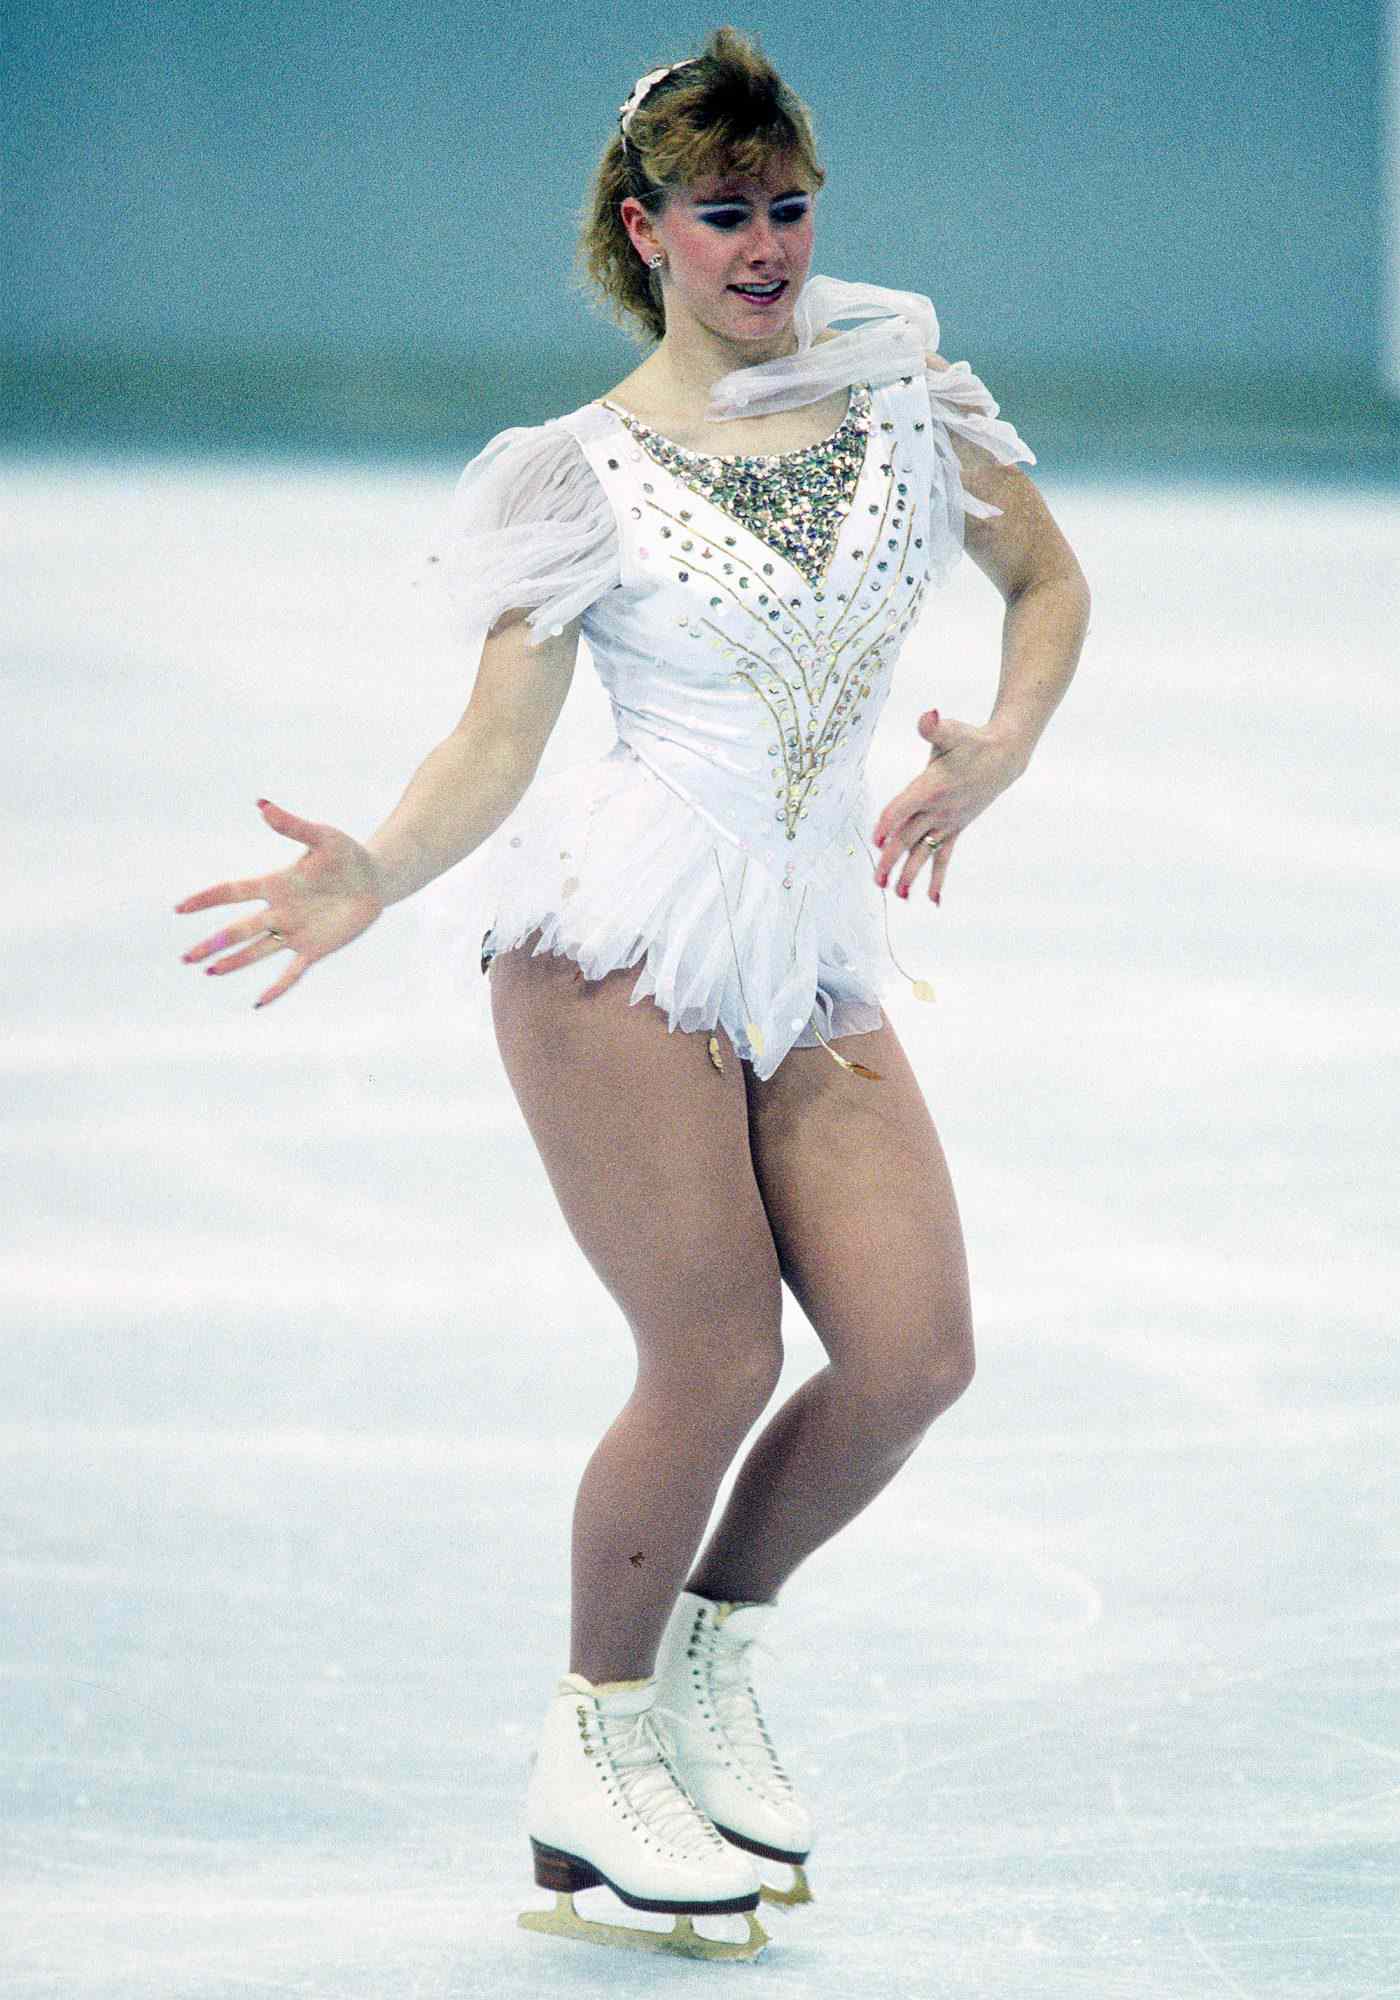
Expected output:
(846, 1062)
(923, 988)
(796, 924)
(751, 1028)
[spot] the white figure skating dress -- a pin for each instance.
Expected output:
(745, 615)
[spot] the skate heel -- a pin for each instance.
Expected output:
(562, 1872)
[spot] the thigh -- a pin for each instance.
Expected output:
(862, 1208)
(646, 1145)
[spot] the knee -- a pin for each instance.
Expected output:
(721, 1358)
(942, 1368)
(954, 1365)
(740, 1380)
(925, 1379)
(711, 1403)
(742, 1349)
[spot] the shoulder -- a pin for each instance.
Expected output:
(550, 439)
(964, 402)
(989, 453)
(536, 473)
(525, 450)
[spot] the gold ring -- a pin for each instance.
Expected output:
(270, 932)
(929, 840)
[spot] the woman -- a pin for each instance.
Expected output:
(744, 530)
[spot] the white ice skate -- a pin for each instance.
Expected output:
(710, 1714)
(606, 1807)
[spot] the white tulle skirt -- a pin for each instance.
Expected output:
(613, 869)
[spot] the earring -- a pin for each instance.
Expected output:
(654, 263)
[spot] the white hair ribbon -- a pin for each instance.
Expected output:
(643, 88)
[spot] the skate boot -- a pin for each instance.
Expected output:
(605, 1807)
(708, 1709)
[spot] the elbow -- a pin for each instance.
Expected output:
(1071, 586)
(1086, 605)
(1080, 595)
(493, 759)
(1061, 570)
(1068, 603)
(508, 764)
(1062, 583)
(1081, 582)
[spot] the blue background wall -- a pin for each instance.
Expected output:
(320, 225)
(1181, 181)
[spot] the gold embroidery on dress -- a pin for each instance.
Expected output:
(811, 673)
(835, 673)
(813, 660)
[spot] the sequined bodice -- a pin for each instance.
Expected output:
(763, 603)
(793, 500)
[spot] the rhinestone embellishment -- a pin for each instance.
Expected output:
(816, 669)
(795, 501)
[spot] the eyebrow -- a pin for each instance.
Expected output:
(728, 200)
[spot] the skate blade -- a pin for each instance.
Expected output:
(798, 1890)
(684, 1940)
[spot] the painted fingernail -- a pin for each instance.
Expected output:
(211, 969)
(904, 889)
(939, 897)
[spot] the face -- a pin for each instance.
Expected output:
(737, 250)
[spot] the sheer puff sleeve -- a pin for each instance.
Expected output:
(963, 407)
(529, 528)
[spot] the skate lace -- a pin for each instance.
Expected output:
(650, 1786)
(737, 1709)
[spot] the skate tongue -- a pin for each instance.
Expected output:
(746, 1621)
(612, 1697)
(736, 1619)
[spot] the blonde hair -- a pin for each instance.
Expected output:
(726, 112)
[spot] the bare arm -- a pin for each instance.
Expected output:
(455, 800)
(477, 776)
(1023, 553)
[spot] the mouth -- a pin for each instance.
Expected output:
(762, 295)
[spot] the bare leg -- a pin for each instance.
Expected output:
(647, 1148)
(863, 1213)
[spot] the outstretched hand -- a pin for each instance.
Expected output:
(318, 904)
(967, 768)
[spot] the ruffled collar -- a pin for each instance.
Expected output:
(887, 335)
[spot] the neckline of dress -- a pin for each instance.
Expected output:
(743, 457)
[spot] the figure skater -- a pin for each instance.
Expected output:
(686, 956)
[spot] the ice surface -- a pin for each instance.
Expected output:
(300, 1365)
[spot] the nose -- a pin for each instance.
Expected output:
(762, 245)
